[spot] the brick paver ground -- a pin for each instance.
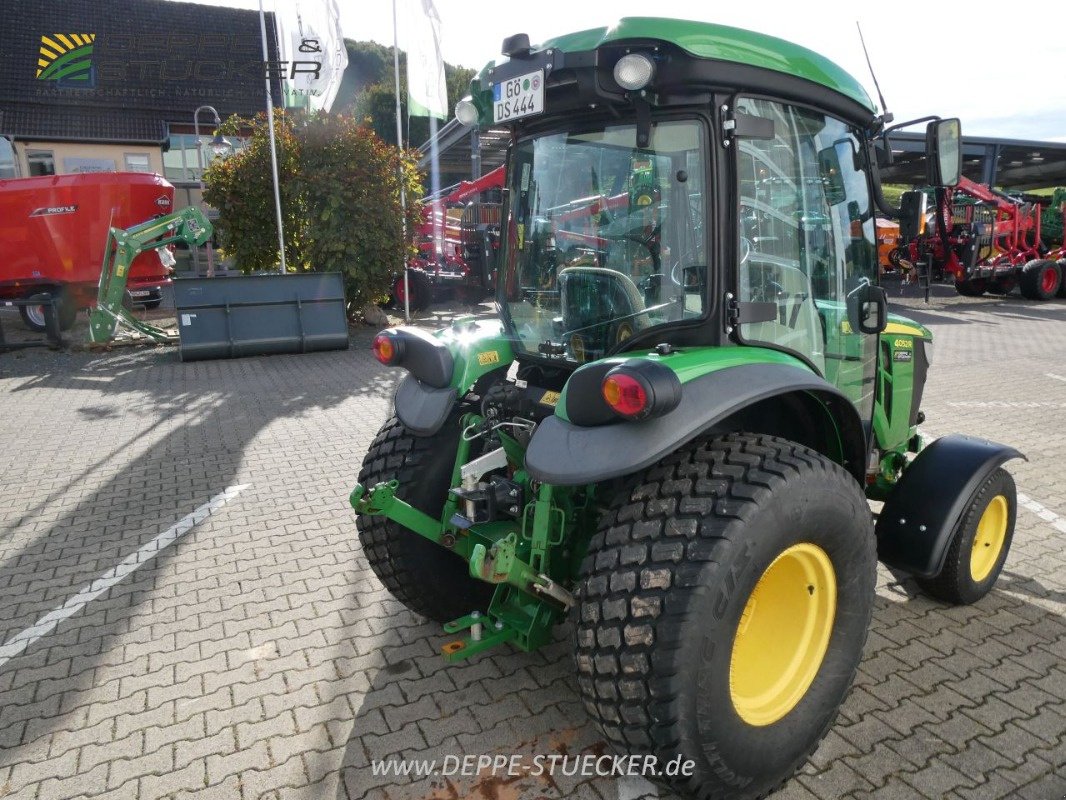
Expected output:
(258, 656)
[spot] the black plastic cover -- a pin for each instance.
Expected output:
(421, 408)
(423, 355)
(917, 523)
(584, 397)
(565, 454)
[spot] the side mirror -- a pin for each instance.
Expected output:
(829, 166)
(867, 307)
(943, 152)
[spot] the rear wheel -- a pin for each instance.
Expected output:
(1062, 273)
(1040, 279)
(33, 317)
(427, 578)
(723, 609)
(971, 288)
(980, 543)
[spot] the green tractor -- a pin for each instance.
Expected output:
(672, 434)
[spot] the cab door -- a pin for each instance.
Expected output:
(806, 242)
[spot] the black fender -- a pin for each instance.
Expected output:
(423, 408)
(564, 454)
(918, 521)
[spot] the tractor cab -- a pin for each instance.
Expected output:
(661, 193)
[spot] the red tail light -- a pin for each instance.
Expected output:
(625, 395)
(386, 349)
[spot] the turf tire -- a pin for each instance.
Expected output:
(427, 578)
(667, 575)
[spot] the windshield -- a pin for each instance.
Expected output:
(605, 239)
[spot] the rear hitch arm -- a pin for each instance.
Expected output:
(381, 500)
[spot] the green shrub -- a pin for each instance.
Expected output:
(340, 199)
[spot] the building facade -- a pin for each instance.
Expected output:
(112, 85)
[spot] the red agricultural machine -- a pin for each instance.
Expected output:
(457, 243)
(53, 232)
(986, 240)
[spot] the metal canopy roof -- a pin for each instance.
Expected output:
(1005, 163)
(454, 144)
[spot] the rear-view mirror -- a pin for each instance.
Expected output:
(943, 150)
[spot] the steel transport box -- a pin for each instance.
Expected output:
(251, 315)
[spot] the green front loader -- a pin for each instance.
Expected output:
(673, 432)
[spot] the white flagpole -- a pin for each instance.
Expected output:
(270, 123)
(399, 144)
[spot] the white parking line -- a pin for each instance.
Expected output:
(1004, 404)
(1056, 377)
(46, 624)
(1046, 514)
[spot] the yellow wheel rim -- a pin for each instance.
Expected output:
(989, 539)
(783, 634)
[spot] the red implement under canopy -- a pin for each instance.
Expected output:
(53, 230)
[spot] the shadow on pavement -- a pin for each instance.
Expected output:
(107, 507)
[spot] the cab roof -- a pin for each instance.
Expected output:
(722, 43)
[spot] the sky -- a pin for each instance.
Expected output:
(1001, 72)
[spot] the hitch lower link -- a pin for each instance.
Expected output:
(524, 617)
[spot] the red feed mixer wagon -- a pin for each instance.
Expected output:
(53, 231)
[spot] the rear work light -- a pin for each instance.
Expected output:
(625, 395)
(388, 349)
(639, 389)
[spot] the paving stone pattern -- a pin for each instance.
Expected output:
(258, 656)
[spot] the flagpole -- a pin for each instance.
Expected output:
(270, 124)
(399, 144)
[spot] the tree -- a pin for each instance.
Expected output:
(340, 191)
(367, 90)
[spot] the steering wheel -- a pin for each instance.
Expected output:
(647, 241)
(746, 249)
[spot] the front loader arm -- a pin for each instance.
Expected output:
(124, 245)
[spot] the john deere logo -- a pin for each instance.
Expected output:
(67, 59)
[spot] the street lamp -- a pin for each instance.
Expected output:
(219, 147)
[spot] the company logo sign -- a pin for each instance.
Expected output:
(49, 211)
(67, 59)
(163, 201)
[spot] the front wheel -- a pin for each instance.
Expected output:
(979, 544)
(418, 285)
(723, 609)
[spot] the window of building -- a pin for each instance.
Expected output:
(181, 160)
(41, 162)
(8, 164)
(138, 162)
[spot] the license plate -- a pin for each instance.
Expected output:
(140, 293)
(518, 97)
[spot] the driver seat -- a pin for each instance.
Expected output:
(589, 295)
